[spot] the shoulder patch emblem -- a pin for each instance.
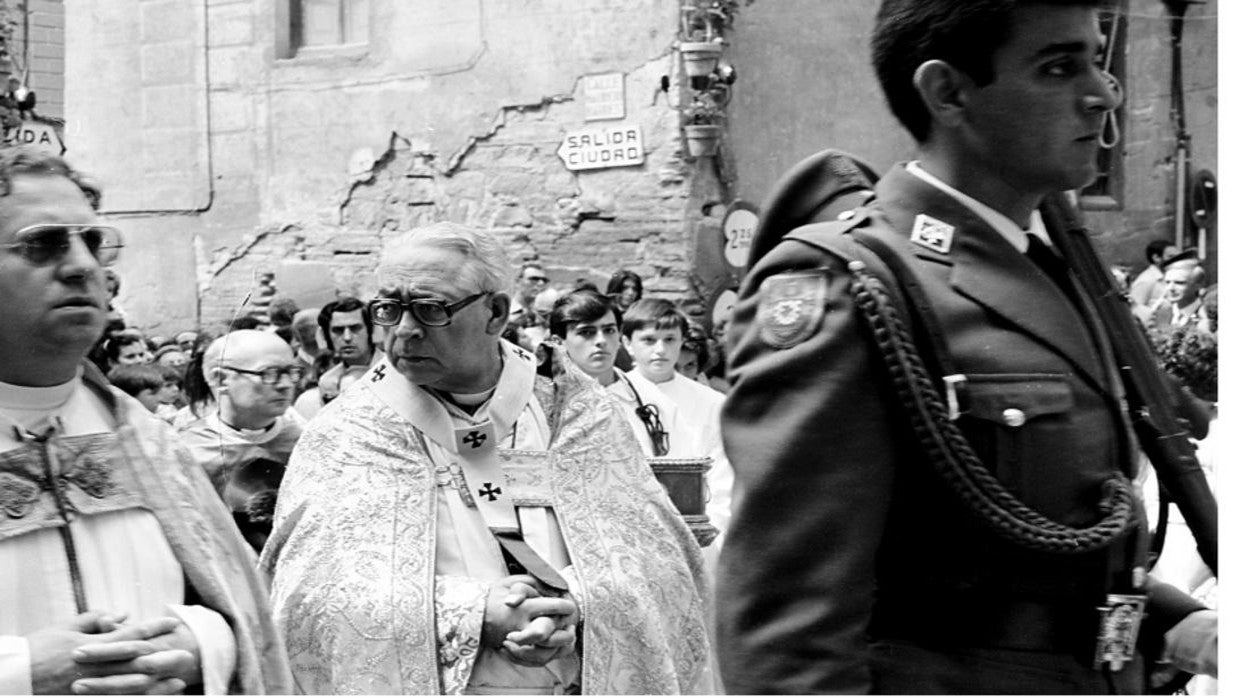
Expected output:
(790, 307)
(932, 233)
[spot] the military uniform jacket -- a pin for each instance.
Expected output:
(840, 521)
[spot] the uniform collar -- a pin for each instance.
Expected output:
(1009, 230)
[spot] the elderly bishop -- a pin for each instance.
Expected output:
(456, 523)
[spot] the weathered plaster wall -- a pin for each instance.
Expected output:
(454, 111)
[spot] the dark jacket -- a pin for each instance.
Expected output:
(843, 534)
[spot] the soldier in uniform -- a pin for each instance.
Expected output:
(856, 562)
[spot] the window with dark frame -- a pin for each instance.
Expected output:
(1106, 191)
(327, 23)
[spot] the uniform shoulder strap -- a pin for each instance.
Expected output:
(818, 189)
(864, 235)
(927, 329)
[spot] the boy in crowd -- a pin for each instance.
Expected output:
(654, 332)
(143, 382)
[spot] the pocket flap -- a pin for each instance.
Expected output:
(1012, 399)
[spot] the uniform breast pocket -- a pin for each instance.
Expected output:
(1020, 424)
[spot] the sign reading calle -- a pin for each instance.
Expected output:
(42, 136)
(604, 96)
(603, 146)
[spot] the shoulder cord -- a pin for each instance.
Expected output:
(954, 459)
(649, 416)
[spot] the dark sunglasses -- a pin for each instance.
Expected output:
(388, 312)
(44, 243)
(270, 376)
(649, 416)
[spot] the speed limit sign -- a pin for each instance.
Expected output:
(739, 224)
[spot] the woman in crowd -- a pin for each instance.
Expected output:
(624, 288)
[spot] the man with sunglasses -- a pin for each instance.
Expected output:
(122, 570)
(252, 375)
(460, 525)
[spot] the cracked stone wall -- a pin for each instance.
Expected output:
(454, 111)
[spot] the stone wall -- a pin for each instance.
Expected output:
(454, 111)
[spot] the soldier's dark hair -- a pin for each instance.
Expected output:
(346, 304)
(580, 306)
(28, 160)
(657, 313)
(963, 33)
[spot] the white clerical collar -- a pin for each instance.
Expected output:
(470, 403)
(46, 399)
(1008, 229)
(27, 406)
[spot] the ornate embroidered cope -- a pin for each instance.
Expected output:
(140, 465)
(354, 551)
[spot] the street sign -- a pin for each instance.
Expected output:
(739, 224)
(604, 96)
(40, 135)
(602, 146)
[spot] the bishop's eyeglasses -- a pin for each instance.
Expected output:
(427, 311)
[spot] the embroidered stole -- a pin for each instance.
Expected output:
(477, 446)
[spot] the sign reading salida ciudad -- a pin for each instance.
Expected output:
(591, 148)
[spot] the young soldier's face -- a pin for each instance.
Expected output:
(655, 352)
(1034, 128)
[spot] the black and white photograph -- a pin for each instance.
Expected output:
(615, 347)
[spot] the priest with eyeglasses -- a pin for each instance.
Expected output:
(459, 524)
(120, 570)
(244, 442)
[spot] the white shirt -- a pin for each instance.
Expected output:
(699, 407)
(669, 415)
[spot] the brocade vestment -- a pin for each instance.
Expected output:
(370, 502)
(111, 504)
